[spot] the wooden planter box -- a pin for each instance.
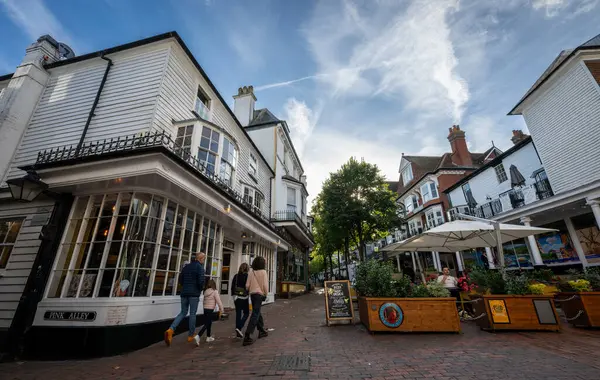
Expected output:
(582, 309)
(409, 314)
(509, 312)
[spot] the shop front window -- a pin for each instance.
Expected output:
(589, 236)
(128, 245)
(556, 247)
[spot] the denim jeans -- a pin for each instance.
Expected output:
(190, 303)
(256, 319)
(242, 311)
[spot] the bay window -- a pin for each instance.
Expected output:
(183, 140)
(209, 149)
(434, 217)
(228, 161)
(130, 245)
(429, 191)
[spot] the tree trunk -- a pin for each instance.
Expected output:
(325, 273)
(347, 257)
(339, 264)
(331, 262)
(361, 245)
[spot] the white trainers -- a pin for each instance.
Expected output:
(210, 339)
(197, 340)
(239, 333)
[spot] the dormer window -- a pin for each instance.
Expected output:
(407, 174)
(202, 105)
(429, 191)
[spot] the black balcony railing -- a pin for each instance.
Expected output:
(142, 142)
(290, 216)
(543, 189)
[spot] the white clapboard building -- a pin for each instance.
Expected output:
(116, 167)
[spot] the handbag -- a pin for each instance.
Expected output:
(239, 291)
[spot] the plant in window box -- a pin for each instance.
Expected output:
(397, 305)
(514, 303)
(580, 298)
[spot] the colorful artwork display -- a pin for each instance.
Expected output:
(556, 248)
(590, 242)
(516, 254)
(391, 315)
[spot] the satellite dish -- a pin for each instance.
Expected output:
(64, 51)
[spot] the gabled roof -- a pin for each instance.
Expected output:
(263, 116)
(563, 57)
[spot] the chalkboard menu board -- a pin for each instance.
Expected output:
(338, 302)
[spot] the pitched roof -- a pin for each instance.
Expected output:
(563, 57)
(263, 116)
(393, 185)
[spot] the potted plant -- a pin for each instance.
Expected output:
(515, 303)
(579, 298)
(398, 305)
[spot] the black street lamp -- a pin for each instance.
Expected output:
(28, 187)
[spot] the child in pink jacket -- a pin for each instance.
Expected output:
(211, 300)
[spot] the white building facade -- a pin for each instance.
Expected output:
(288, 195)
(145, 164)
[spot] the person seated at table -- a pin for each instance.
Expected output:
(449, 282)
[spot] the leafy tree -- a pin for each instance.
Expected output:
(355, 204)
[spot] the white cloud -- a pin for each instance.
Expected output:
(408, 57)
(36, 20)
(301, 120)
(553, 8)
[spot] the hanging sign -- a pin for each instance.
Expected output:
(338, 301)
(79, 316)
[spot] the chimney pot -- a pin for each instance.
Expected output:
(460, 152)
(518, 136)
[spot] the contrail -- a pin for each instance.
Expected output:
(287, 83)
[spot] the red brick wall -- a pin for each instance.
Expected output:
(594, 67)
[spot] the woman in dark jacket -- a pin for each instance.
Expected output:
(240, 296)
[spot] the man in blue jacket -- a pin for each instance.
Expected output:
(191, 280)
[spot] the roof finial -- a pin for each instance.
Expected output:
(493, 144)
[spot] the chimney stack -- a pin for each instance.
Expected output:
(243, 106)
(460, 153)
(518, 136)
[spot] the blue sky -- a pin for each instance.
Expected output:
(364, 78)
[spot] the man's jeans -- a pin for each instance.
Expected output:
(190, 303)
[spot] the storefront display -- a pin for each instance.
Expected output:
(589, 236)
(556, 247)
(516, 254)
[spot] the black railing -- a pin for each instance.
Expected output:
(488, 210)
(290, 216)
(142, 142)
(543, 189)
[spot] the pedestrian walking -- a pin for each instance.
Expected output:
(212, 300)
(191, 280)
(258, 287)
(240, 296)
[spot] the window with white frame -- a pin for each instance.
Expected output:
(434, 217)
(407, 174)
(228, 161)
(409, 205)
(131, 245)
(183, 140)
(291, 199)
(500, 173)
(253, 168)
(9, 230)
(429, 191)
(253, 197)
(202, 104)
(209, 148)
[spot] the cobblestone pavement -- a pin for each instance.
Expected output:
(341, 352)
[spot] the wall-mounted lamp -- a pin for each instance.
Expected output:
(244, 235)
(27, 188)
(228, 208)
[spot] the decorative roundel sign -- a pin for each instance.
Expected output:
(391, 315)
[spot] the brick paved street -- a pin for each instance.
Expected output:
(341, 352)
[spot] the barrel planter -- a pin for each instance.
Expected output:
(511, 312)
(582, 309)
(405, 315)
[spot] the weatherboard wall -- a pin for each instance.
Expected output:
(564, 120)
(126, 105)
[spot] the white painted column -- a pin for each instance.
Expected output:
(435, 262)
(439, 261)
(459, 262)
(535, 251)
(595, 205)
(576, 242)
(414, 262)
(490, 258)
(398, 262)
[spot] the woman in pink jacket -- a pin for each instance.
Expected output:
(258, 287)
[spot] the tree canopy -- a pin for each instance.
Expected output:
(356, 206)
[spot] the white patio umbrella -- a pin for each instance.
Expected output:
(461, 235)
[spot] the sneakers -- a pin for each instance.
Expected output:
(168, 337)
(248, 341)
(197, 340)
(238, 333)
(263, 334)
(209, 339)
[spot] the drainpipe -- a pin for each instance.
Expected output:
(91, 114)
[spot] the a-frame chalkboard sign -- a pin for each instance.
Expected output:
(338, 301)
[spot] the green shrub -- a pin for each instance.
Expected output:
(541, 275)
(592, 275)
(402, 286)
(517, 284)
(374, 279)
(437, 289)
(488, 280)
(419, 291)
